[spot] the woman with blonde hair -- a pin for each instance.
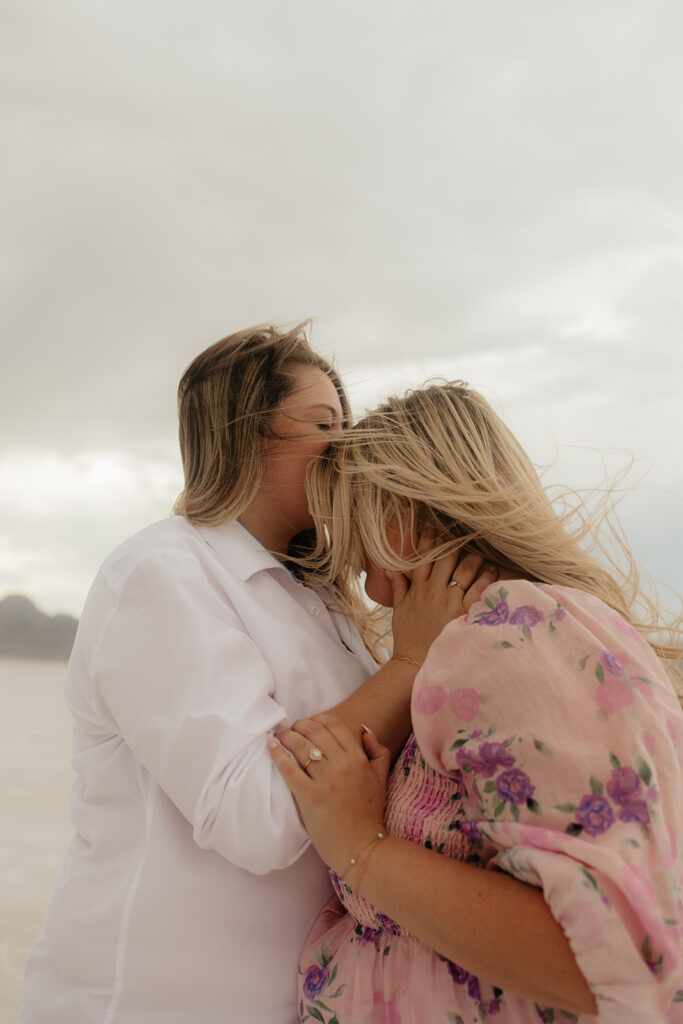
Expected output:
(526, 864)
(190, 883)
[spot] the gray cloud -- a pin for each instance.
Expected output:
(491, 186)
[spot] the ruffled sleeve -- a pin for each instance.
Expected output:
(564, 734)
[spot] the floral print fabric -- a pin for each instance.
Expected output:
(546, 744)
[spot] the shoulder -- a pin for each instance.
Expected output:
(515, 615)
(521, 616)
(527, 604)
(557, 673)
(527, 644)
(154, 559)
(166, 543)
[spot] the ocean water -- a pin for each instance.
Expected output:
(35, 775)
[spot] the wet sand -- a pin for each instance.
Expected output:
(35, 745)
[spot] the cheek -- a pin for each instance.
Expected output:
(402, 546)
(394, 536)
(288, 461)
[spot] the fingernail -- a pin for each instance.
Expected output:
(273, 743)
(366, 728)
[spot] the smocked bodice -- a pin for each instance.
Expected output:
(422, 806)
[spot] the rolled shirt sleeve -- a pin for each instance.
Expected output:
(193, 697)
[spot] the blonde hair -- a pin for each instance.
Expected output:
(227, 397)
(441, 457)
(226, 400)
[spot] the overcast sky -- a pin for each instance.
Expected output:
(487, 191)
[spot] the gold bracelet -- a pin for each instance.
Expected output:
(373, 846)
(354, 860)
(408, 661)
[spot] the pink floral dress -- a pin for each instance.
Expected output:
(547, 744)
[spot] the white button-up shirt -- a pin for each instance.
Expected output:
(190, 885)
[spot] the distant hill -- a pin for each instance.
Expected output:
(26, 632)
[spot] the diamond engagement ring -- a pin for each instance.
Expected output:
(454, 583)
(314, 754)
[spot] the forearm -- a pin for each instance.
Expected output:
(421, 609)
(491, 924)
(382, 704)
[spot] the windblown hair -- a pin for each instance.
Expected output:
(227, 397)
(441, 457)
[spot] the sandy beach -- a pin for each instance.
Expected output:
(35, 745)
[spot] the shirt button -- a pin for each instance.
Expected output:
(315, 610)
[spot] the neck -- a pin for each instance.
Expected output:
(275, 535)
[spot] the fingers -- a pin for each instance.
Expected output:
(299, 746)
(327, 732)
(467, 570)
(444, 568)
(373, 748)
(399, 587)
(293, 777)
(378, 755)
(425, 543)
(324, 733)
(474, 592)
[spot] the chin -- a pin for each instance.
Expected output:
(380, 594)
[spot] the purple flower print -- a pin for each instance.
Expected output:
(526, 615)
(624, 785)
(635, 810)
(496, 616)
(611, 664)
(409, 752)
(473, 990)
(559, 614)
(469, 829)
(594, 814)
(337, 885)
(496, 755)
(486, 760)
(624, 788)
(369, 935)
(458, 974)
(470, 759)
(387, 923)
(315, 981)
(493, 1007)
(514, 786)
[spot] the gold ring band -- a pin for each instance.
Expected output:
(314, 754)
(454, 583)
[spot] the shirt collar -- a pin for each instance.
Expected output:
(239, 549)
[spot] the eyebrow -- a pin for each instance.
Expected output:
(330, 408)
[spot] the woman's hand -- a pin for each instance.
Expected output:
(341, 796)
(435, 594)
(517, 944)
